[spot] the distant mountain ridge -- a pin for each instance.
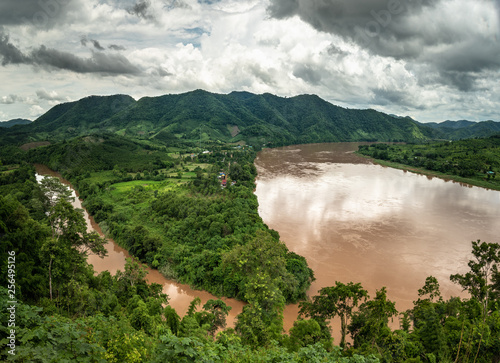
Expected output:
(237, 116)
(464, 129)
(14, 122)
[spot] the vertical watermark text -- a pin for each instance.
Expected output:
(11, 302)
(381, 20)
(48, 9)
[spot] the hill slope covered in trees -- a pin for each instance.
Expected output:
(14, 122)
(463, 129)
(255, 119)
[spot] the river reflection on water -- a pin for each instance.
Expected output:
(353, 221)
(360, 222)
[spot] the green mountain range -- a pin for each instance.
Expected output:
(14, 122)
(239, 116)
(463, 129)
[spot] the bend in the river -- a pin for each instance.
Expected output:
(353, 221)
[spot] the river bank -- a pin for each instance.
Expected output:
(467, 182)
(357, 221)
(180, 295)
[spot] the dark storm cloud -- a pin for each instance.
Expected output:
(84, 40)
(49, 58)
(10, 54)
(460, 65)
(385, 97)
(96, 44)
(363, 21)
(116, 47)
(97, 63)
(401, 29)
(141, 9)
(463, 81)
(38, 13)
(307, 73)
(473, 55)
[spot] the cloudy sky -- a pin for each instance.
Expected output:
(430, 59)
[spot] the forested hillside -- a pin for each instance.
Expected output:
(171, 179)
(68, 120)
(64, 312)
(17, 121)
(200, 115)
(457, 130)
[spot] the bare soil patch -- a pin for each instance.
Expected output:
(32, 145)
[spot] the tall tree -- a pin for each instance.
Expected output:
(23, 235)
(134, 272)
(70, 242)
(53, 190)
(261, 321)
(430, 291)
(338, 300)
(371, 323)
(215, 313)
(478, 281)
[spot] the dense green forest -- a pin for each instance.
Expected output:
(266, 119)
(14, 122)
(168, 208)
(457, 130)
(473, 161)
(171, 179)
(189, 224)
(200, 115)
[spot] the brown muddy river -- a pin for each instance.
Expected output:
(354, 221)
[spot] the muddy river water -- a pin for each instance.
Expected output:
(360, 222)
(355, 221)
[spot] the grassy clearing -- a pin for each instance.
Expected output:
(5, 169)
(148, 185)
(101, 177)
(133, 198)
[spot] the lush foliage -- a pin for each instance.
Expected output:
(457, 130)
(200, 116)
(474, 160)
(169, 208)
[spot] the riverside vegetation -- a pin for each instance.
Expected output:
(161, 197)
(473, 161)
(113, 318)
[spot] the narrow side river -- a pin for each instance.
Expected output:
(353, 221)
(179, 295)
